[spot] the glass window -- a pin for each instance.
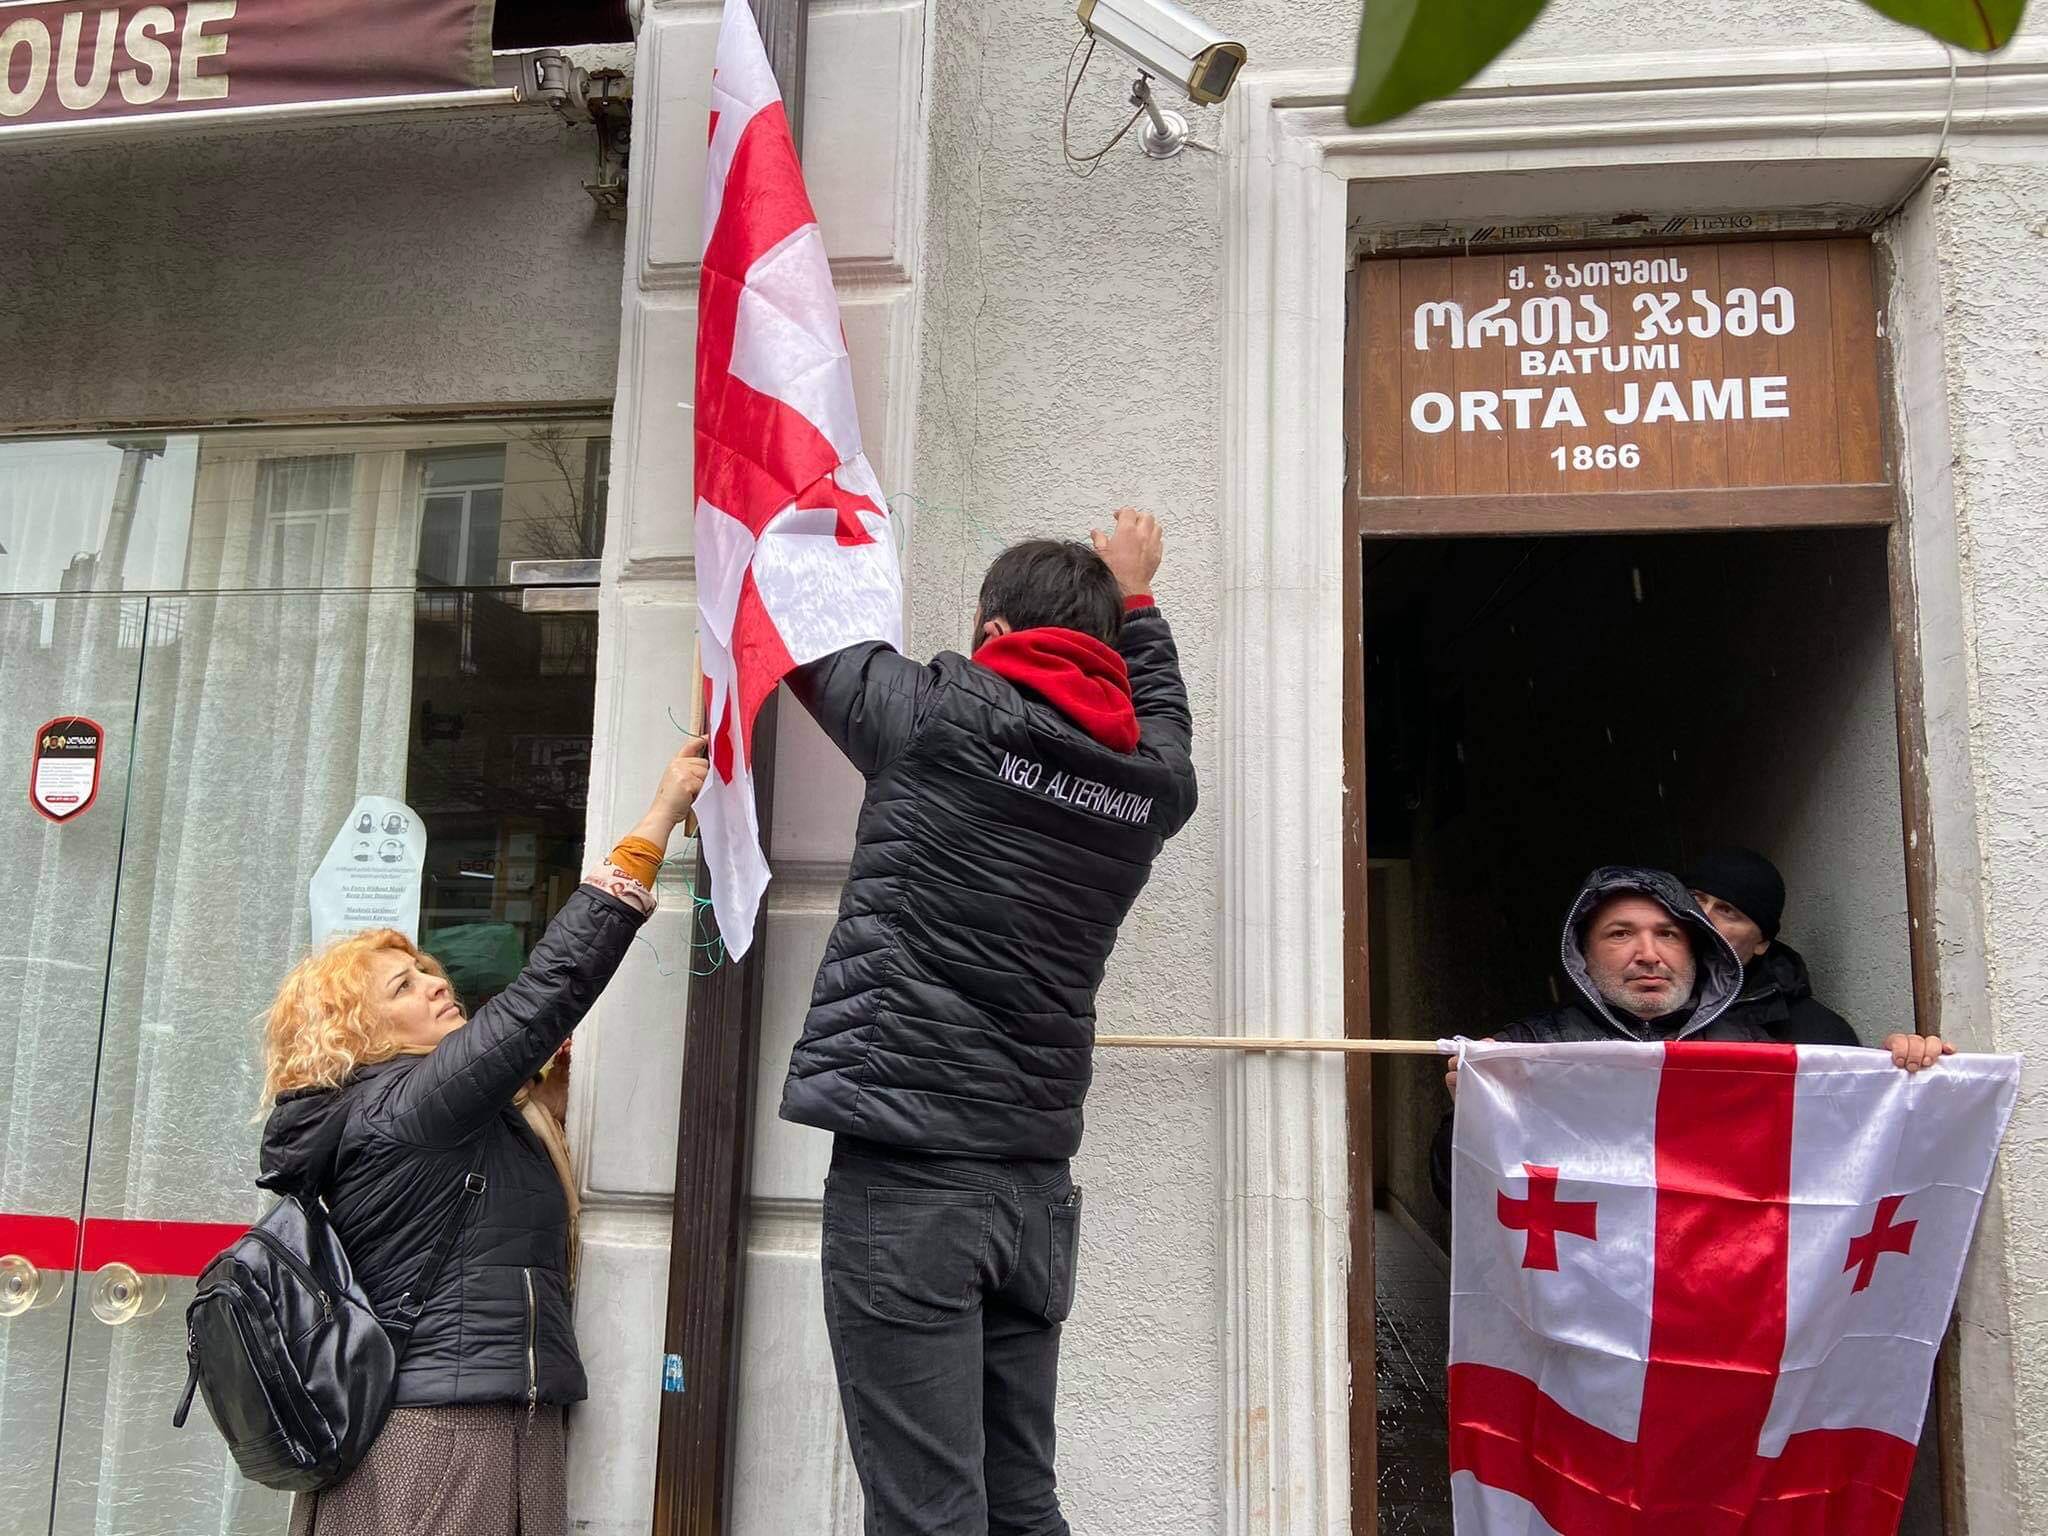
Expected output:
(441, 539)
(281, 508)
(568, 645)
(499, 770)
(459, 468)
(597, 483)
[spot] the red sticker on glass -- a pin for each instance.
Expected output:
(64, 776)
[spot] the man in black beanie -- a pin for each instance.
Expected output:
(1743, 895)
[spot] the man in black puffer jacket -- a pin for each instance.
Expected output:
(1015, 803)
(1644, 964)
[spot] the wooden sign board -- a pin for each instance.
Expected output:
(1635, 373)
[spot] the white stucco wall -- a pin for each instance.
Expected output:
(266, 273)
(1993, 258)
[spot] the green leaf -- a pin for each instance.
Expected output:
(1412, 51)
(1982, 26)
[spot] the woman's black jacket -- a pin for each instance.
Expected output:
(389, 1150)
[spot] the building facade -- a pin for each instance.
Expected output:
(282, 406)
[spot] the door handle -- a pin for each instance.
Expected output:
(133, 1262)
(121, 1295)
(37, 1255)
(27, 1287)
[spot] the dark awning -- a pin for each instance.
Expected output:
(72, 68)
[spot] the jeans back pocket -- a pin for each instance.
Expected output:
(925, 1250)
(1065, 1245)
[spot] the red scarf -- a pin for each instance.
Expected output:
(1076, 674)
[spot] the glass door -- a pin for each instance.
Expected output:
(260, 718)
(77, 658)
(343, 647)
(257, 720)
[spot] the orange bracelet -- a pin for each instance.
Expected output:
(638, 857)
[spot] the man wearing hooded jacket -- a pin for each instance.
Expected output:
(1646, 963)
(1016, 799)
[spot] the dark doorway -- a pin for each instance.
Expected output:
(1535, 707)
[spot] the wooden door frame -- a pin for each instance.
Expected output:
(1783, 509)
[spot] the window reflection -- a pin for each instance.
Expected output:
(462, 497)
(103, 514)
(499, 769)
(302, 507)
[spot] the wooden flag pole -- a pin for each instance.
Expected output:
(696, 716)
(1275, 1043)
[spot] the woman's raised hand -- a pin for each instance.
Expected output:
(677, 792)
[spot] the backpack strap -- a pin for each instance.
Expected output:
(405, 1317)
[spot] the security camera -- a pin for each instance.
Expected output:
(1168, 43)
(1164, 41)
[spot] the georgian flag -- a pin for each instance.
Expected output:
(795, 554)
(1696, 1289)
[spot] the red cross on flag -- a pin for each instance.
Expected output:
(795, 551)
(1698, 1288)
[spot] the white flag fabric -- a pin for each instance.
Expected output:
(1698, 1288)
(795, 552)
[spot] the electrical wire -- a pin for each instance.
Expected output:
(1092, 162)
(1934, 161)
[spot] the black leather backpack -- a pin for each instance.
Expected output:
(296, 1369)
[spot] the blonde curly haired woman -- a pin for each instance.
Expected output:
(385, 1098)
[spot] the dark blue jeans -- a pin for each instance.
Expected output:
(946, 1280)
